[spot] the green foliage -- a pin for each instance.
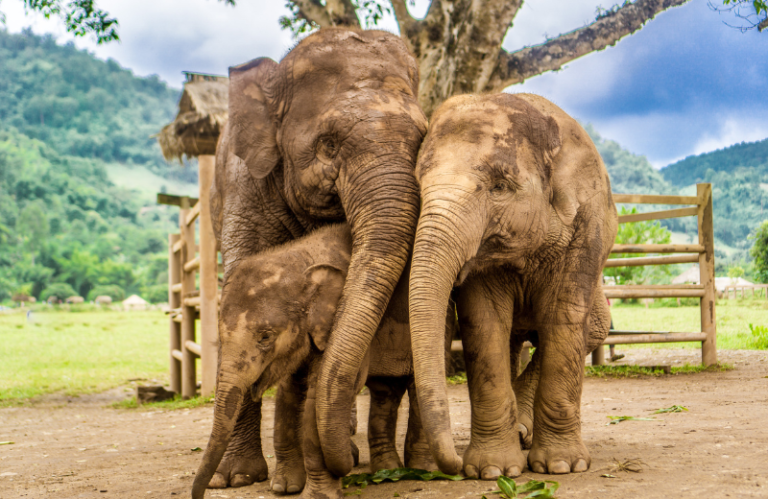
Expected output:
(60, 290)
(759, 250)
(64, 115)
(648, 232)
(608, 371)
(362, 480)
(173, 404)
(508, 489)
(674, 408)
(759, 337)
(735, 272)
(621, 419)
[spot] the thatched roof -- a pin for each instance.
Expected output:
(202, 115)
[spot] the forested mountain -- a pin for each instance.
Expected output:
(752, 156)
(67, 119)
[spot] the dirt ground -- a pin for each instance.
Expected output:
(719, 448)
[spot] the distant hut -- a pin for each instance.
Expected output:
(202, 115)
(203, 112)
(103, 300)
(73, 300)
(135, 302)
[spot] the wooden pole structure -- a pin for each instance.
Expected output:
(209, 281)
(174, 301)
(707, 274)
(188, 376)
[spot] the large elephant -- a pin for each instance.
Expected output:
(330, 133)
(517, 212)
(277, 310)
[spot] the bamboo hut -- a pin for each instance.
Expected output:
(193, 134)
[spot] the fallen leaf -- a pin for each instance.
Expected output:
(8, 473)
(606, 475)
(619, 419)
(7, 443)
(196, 449)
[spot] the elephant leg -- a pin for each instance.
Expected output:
(599, 321)
(386, 394)
(289, 474)
(243, 462)
(525, 392)
(417, 453)
(321, 484)
(485, 317)
(557, 445)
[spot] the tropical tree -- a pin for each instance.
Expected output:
(752, 13)
(759, 251)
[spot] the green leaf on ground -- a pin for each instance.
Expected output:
(395, 475)
(532, 488)
(674, 408)
(196, 449)
(619, 419)
(7, 443)
(606, 475)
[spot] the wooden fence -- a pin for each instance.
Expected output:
(757, 290)
(189, 303)
(702, 253)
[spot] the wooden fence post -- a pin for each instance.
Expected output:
(174, 301)
(707, 274)
(598, 356)
(188, 375)
(209, 281)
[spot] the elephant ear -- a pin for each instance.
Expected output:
(322, 292)
(564, 200)
(254, 129)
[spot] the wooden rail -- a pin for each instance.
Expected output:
(702, 253)
(756, 290)
(186, 258)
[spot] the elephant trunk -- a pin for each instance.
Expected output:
(382, 213)
(230, 391)
(448, 236)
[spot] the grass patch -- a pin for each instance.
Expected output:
(166, 405)
(733, 318)
(79, 353)
(607, 371)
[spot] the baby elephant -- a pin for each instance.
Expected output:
(291, 294)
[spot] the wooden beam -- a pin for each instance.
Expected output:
(652, 293)
(657, 248)
(176, 354)
(193, 214)
(176, 288)
(193, 301)
(654, 338)
(707, 274)
(174, 302)
(654, 199)
(192, 265)
(178, 245)
(658, 215)
(172, 200)
(192, 347)
(188, 314)
(655, 286)
(650, 260)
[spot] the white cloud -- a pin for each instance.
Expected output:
(733, 130)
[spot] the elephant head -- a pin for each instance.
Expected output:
(276, 309)
(503, 181)
(337, 123)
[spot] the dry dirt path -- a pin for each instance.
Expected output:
(717, 449)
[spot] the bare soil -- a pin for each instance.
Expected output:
(719, 448)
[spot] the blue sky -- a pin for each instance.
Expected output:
(684, 84)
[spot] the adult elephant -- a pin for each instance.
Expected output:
(330, 133)
(517, 212)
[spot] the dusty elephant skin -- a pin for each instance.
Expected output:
(330, 133)
(277, 312)
(517, 212)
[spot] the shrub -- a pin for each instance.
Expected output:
(759, 337)
(60, 290)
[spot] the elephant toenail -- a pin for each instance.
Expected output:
(522, 430)
(470, 471)
(292, 489)
(278, 487)
(559, 468)
(538, 467)
(513, 472)
(491, 473)
(580, 466)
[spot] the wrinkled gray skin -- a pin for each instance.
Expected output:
(330, 133)
(517, 212)
(277, 311)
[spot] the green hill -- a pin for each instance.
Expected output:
(752, 156)
(79, 170)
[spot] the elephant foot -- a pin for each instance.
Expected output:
(487, 462)
(526, 435)
(289, 476)
(324, 486)
(384, 460)
(559, 458)
(421, 461)
(355, 453)
(239, 471)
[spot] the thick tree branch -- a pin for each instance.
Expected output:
(518, 66)
(342, 13)
(762, 25)
(404, 18)
(314, 12)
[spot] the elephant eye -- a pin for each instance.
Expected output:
(499, 187)
(327, 148)
(263, 337)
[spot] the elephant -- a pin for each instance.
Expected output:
(277, 312)
(517, 220)
(331, 133)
